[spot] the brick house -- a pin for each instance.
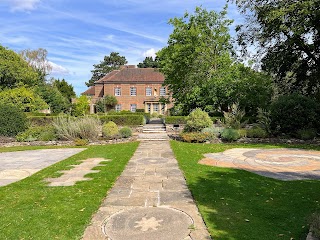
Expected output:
(134, 88)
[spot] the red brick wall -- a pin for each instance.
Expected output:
(125, 99)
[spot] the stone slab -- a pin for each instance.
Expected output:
(15, 166)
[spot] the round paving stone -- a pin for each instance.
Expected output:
(148, 223)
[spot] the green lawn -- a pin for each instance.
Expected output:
(237, 204)
(31, 210)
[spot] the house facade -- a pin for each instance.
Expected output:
(134, 88)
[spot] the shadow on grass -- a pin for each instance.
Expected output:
(237, 204)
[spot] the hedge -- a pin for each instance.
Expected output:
(123, 120)
(176, 120)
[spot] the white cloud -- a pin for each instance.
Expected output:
(57, 69)
(150, 53)
(23, 5)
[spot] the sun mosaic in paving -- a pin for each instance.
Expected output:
(283, 164)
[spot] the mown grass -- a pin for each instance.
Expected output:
(237, 204)
(29, 209)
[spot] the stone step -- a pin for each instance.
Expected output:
(154, 131)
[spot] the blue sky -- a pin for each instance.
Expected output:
(79, 33)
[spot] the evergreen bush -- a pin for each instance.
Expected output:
(39, 133)
(197, 120)
(291, 113)
(125, 132)
(123, 120)
(110, 130)
(256, 132)
(12, 120)
(229, 135)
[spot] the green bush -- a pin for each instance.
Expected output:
(81, 142)
(294, 112)
(125, 132)
(234, 118)
(229, 135)
(123, 120)
(214, 131)
(256, 132)
(196, 137)
(242, 132)
(71, 128)
(176, 120)
(12, 120)
(197, 120)
(110, 130)
(306, 134)
(40, 133)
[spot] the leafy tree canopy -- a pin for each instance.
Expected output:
(26, 99)
(149, 62)
(288, 36)
(64, 88)
(106, 103)
(37, 59)
(109, 63)
(14, 71)
(81, 106)
(53, 97)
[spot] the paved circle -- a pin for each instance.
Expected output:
(284, 164)
(148, 223)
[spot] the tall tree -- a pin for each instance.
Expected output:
(198, 47)
(109, 63)
(148, 62)
(64, 88)
(288, 36)
(37, 59)
(14, 71)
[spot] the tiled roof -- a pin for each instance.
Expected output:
(89, 91)
(147, 75)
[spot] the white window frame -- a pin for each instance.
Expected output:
(149, 107)
(133, 107)
(118, 107)
(133, 91)
(117, 91)
(148, 91)
(163, 91)
(156, 109)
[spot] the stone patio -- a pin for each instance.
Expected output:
(19, 165)
(282, 164)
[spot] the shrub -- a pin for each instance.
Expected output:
(256, 132)
(233, 119)
(71, 128)
(242, 132)
(12, 120)
(176, 120)
(196, 137)
(110, 130)
(294, 112)
(197, 120)
(40, 120)
(123, 120)
(307, 134)
(230, 134)
(40, 133)
(213, 131)
(264, 119)
(81, 142)
(125, 132)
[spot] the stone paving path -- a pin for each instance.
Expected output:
(15, 166)
(283, 164)
(150, 200)
(77, 173)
